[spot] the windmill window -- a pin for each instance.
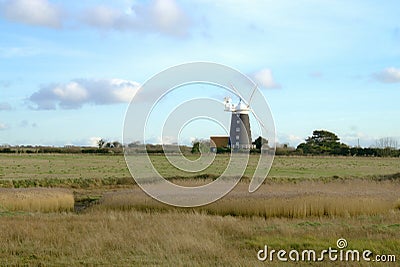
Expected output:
(238, 121)
(237, 137)
(237, 143)
(238, 129)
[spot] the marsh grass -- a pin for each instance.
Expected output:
(397, 204)
(36, 200)
(134, 238)
(302, 207)
(300, 200)
(306, 203)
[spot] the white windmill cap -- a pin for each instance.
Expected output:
(242, 108)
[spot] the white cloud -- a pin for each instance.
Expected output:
(93, 141)
(164, 16)
(265, 79)
(355, 138)
(388, 75)
(168, 140)
(126, 90)
(76, 93)
(71, 92)
(3, 126)
(291, 139)
(295, 139)
(32, 12)
(104, 17)
(168, 17)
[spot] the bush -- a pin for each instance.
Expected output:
(7, 150)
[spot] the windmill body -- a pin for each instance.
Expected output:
(240, 132)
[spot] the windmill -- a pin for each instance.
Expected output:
(240, 131)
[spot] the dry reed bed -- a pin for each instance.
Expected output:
(300, 200)
(36, 200)
(133, 238)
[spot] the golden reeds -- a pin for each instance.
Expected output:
(305, 199)
(36, 200)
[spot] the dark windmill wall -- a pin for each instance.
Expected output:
(240, 133)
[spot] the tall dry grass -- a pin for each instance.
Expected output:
(133, 238)
(300, 200)
(397, 205)
(36, 200)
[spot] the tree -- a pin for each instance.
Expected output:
(323, 142)
(134, 144)
(387, 142)
(116, 144)
(201, 146)
(386, 146)
(196, 148)
(101, 143)
(322, 138)
(259, 142)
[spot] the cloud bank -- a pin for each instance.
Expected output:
(75, 94)
(388, 75)
(32, 12)
(163, 16)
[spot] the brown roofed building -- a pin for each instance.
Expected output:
(218, 142)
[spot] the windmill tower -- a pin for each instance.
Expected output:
(240, 131)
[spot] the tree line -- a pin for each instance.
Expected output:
(321, 142)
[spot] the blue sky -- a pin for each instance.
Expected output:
(68, 69)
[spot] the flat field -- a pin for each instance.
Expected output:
(305, 203)
(58, 166)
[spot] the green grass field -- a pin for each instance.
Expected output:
(57, 166)
(305, 203)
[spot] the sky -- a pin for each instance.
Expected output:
(69, 69)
